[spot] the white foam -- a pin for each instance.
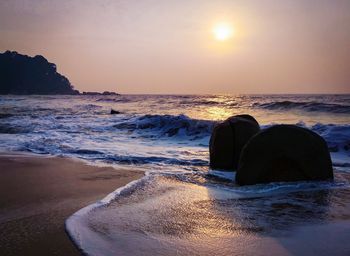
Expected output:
(80, 233)
(228, 175)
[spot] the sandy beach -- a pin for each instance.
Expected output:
(167, 128)
(39, 193)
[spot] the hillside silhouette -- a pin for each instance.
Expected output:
(22, 74)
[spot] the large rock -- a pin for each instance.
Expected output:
(228, 139)
(284, 153)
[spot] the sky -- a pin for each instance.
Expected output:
(165, 47)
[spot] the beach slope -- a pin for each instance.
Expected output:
(39, 193)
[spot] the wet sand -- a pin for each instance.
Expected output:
(37, 195)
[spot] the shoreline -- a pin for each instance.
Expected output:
(38, 194)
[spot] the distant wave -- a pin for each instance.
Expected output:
(196, 102)
(88, 106)
(122, 100)
(312, 106)
(169, 125)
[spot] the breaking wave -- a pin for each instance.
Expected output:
(155, 160)
(169, 126)
(158, 129)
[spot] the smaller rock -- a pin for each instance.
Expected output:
(227, 140)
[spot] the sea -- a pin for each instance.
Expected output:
(181, 206)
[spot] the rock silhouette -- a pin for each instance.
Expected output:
(284, 153)
(115, 112)
(227, 140)
(22, 74)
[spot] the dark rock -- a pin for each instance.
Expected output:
(110, 93)
(91, 93)
(227, 140)
(115, 112)
(22, 74)
(284, 153)
(99, 93)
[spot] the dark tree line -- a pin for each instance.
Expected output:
(22, 74)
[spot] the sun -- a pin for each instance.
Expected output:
(222, 31)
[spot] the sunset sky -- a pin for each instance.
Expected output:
(187, 46)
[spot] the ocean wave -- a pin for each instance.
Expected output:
(312, 106)
(5, 115)
(121, 100)
(337, 136)
(199, 102)
(169, 126)
(85, 152)
(11, 129)
(139, 160)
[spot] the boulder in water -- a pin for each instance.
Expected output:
(284, 153)
(115, 112)
(228, 138)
